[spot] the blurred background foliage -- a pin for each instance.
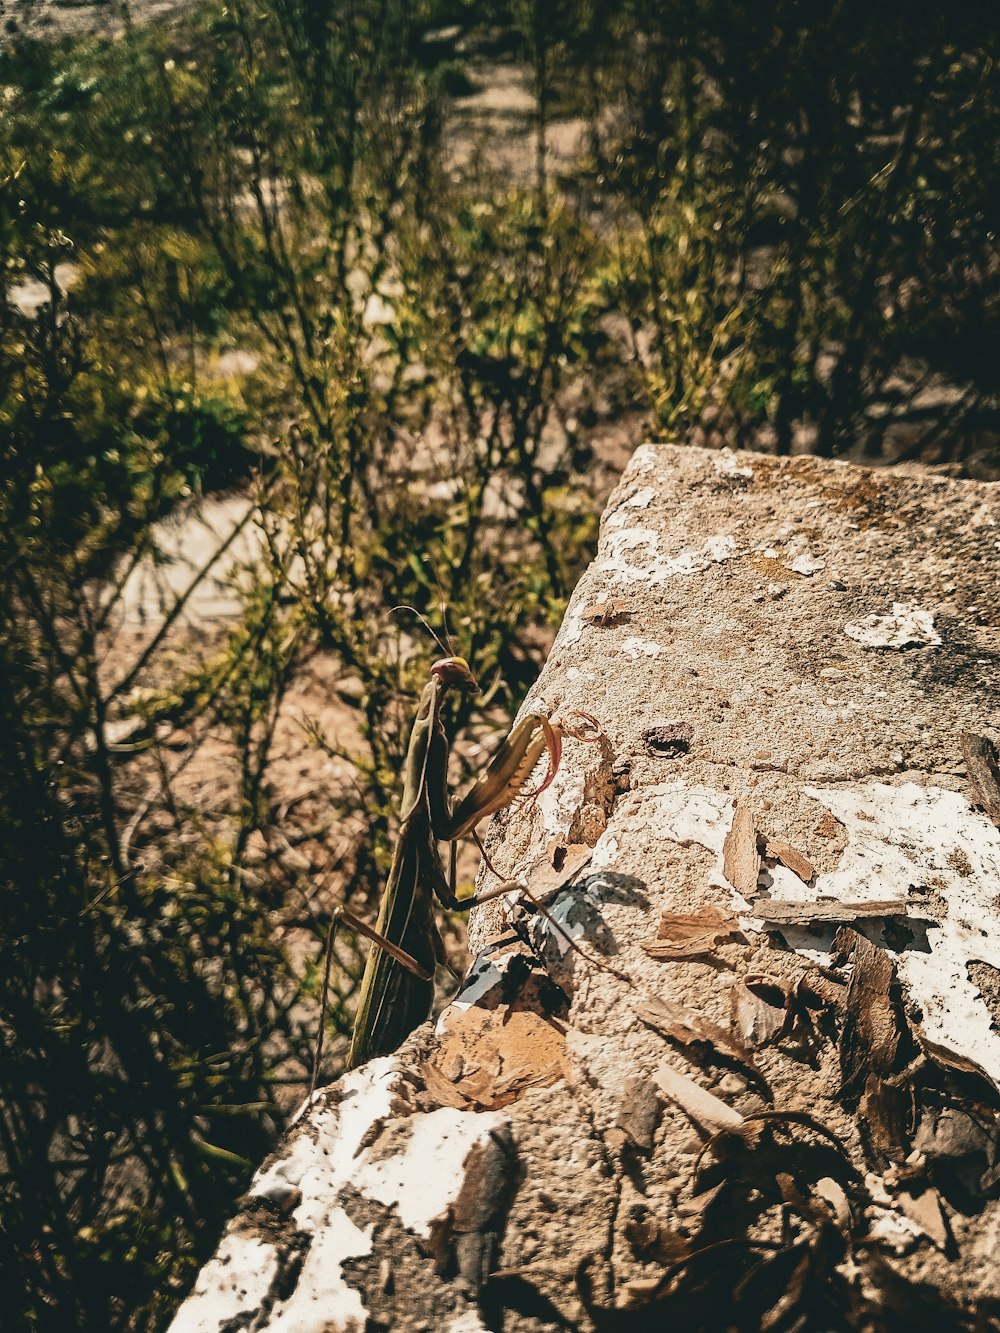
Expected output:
(292, 254)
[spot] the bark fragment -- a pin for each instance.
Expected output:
(692, 934)
(741, 857)
(984, 772)
(689, 1028)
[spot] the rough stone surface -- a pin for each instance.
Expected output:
(528, 1161)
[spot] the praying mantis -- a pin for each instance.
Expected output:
(397, 987)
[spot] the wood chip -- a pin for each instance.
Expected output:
(689, 1028)
(785, 912)
(465, 1235)
(923, 1207)
(692, 934)
(441, 1088)
(494, 1055)
(740, 857)
(951, 1059)
(776, 850)
(870, 1039)
(984, 772)
(758, 1011)
(639, 1113)
(560, 866)
(707, 1111)
(603, 613)
(832, 1192)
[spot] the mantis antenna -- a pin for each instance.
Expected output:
(442, 603)
(426, 624)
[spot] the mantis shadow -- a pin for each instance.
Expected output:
(575, 916)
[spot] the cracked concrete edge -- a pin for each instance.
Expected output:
(298, 1253)
(818, 636)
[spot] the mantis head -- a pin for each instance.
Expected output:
(455, 673)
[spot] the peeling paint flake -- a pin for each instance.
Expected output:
(329, 1155)
(807, 565)
(572, 911)
(559, 802)
(634, 647)
(725, 462)
(904, 839)
(648, 565)
(486, 978)
(907, 627)
(639, 499)
(239, 1276)
(422, 1180)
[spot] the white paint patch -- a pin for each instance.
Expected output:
(639, 499)
(634, 648)
(720, 548)
(486, 978)
(605, 851)
(674, 812)
(689, 815)
(643, 460)
(907, 627)
(725, 462)
(807, 565)
(421, 1181)
(910, 837)
(320, 1286)
(900, 840)
(561, 799)
(571, 630)
(237, 1278)
(617, 545)
(320, 1161)
(647, 565)
(467, 1322)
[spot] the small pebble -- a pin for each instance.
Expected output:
(731, 1083)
